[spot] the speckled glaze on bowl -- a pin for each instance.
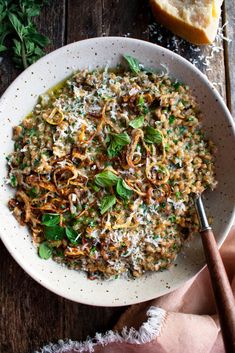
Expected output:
(18, 101)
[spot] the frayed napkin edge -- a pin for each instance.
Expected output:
(148, 331)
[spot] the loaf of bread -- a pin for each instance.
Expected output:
(194, 20)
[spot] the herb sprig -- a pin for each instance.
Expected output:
(16, 24)
(117, 142)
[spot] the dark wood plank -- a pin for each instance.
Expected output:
(30, 315)
(84, 20)
(107, 18)
(81, 321)
(126, 18)
(7, 73)
(229, 47)
(52, 23)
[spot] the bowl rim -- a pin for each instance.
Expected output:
(167, 52)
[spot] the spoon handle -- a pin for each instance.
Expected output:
(223, 294)
(222, 290)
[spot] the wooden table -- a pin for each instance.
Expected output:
(30, 314)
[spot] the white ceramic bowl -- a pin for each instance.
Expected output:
(18, 101)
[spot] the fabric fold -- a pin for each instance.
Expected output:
(182, 321)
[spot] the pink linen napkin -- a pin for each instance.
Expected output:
(183, 321)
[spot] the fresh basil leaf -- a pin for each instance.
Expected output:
(54, 233)
(44, 251)
(95, 188)
(106, 203)
(72, 235)
(137, 122)
(39, 39)
(117, 142)
(17, 47)
(152, 135)
(15, 21)
(50, 219)
(31, 12)
(136, 66)
(123, 189)
(106, 179)
(133, 64)
(18, 26)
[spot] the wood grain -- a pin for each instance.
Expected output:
(222, 290)
(52, 23)
(122, 18)
(84, 20)
(229, 52)
(31, 315)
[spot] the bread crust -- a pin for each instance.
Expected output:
(185, 30)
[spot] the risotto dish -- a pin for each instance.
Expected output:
(105, 169)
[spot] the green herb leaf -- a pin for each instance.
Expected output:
(178, 194)
(152, 135)
(106, 179)
(13, 181)
(176, 85)
(107, 202)
(2, 48)
(133, 64)
(23, 166)
(171, 119)
(33, 132)
(167, 147)
(18, 26)
(93, 249)
(123, 189)
(24, 39)
(172, 218)
(50, 219)
(54, 233)
(137, 122)
(72, 235)
(44, 251)
(95, 187)
(182, 129)
(117, 142)
(39, 39)
(143, 108)
(33, 192)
